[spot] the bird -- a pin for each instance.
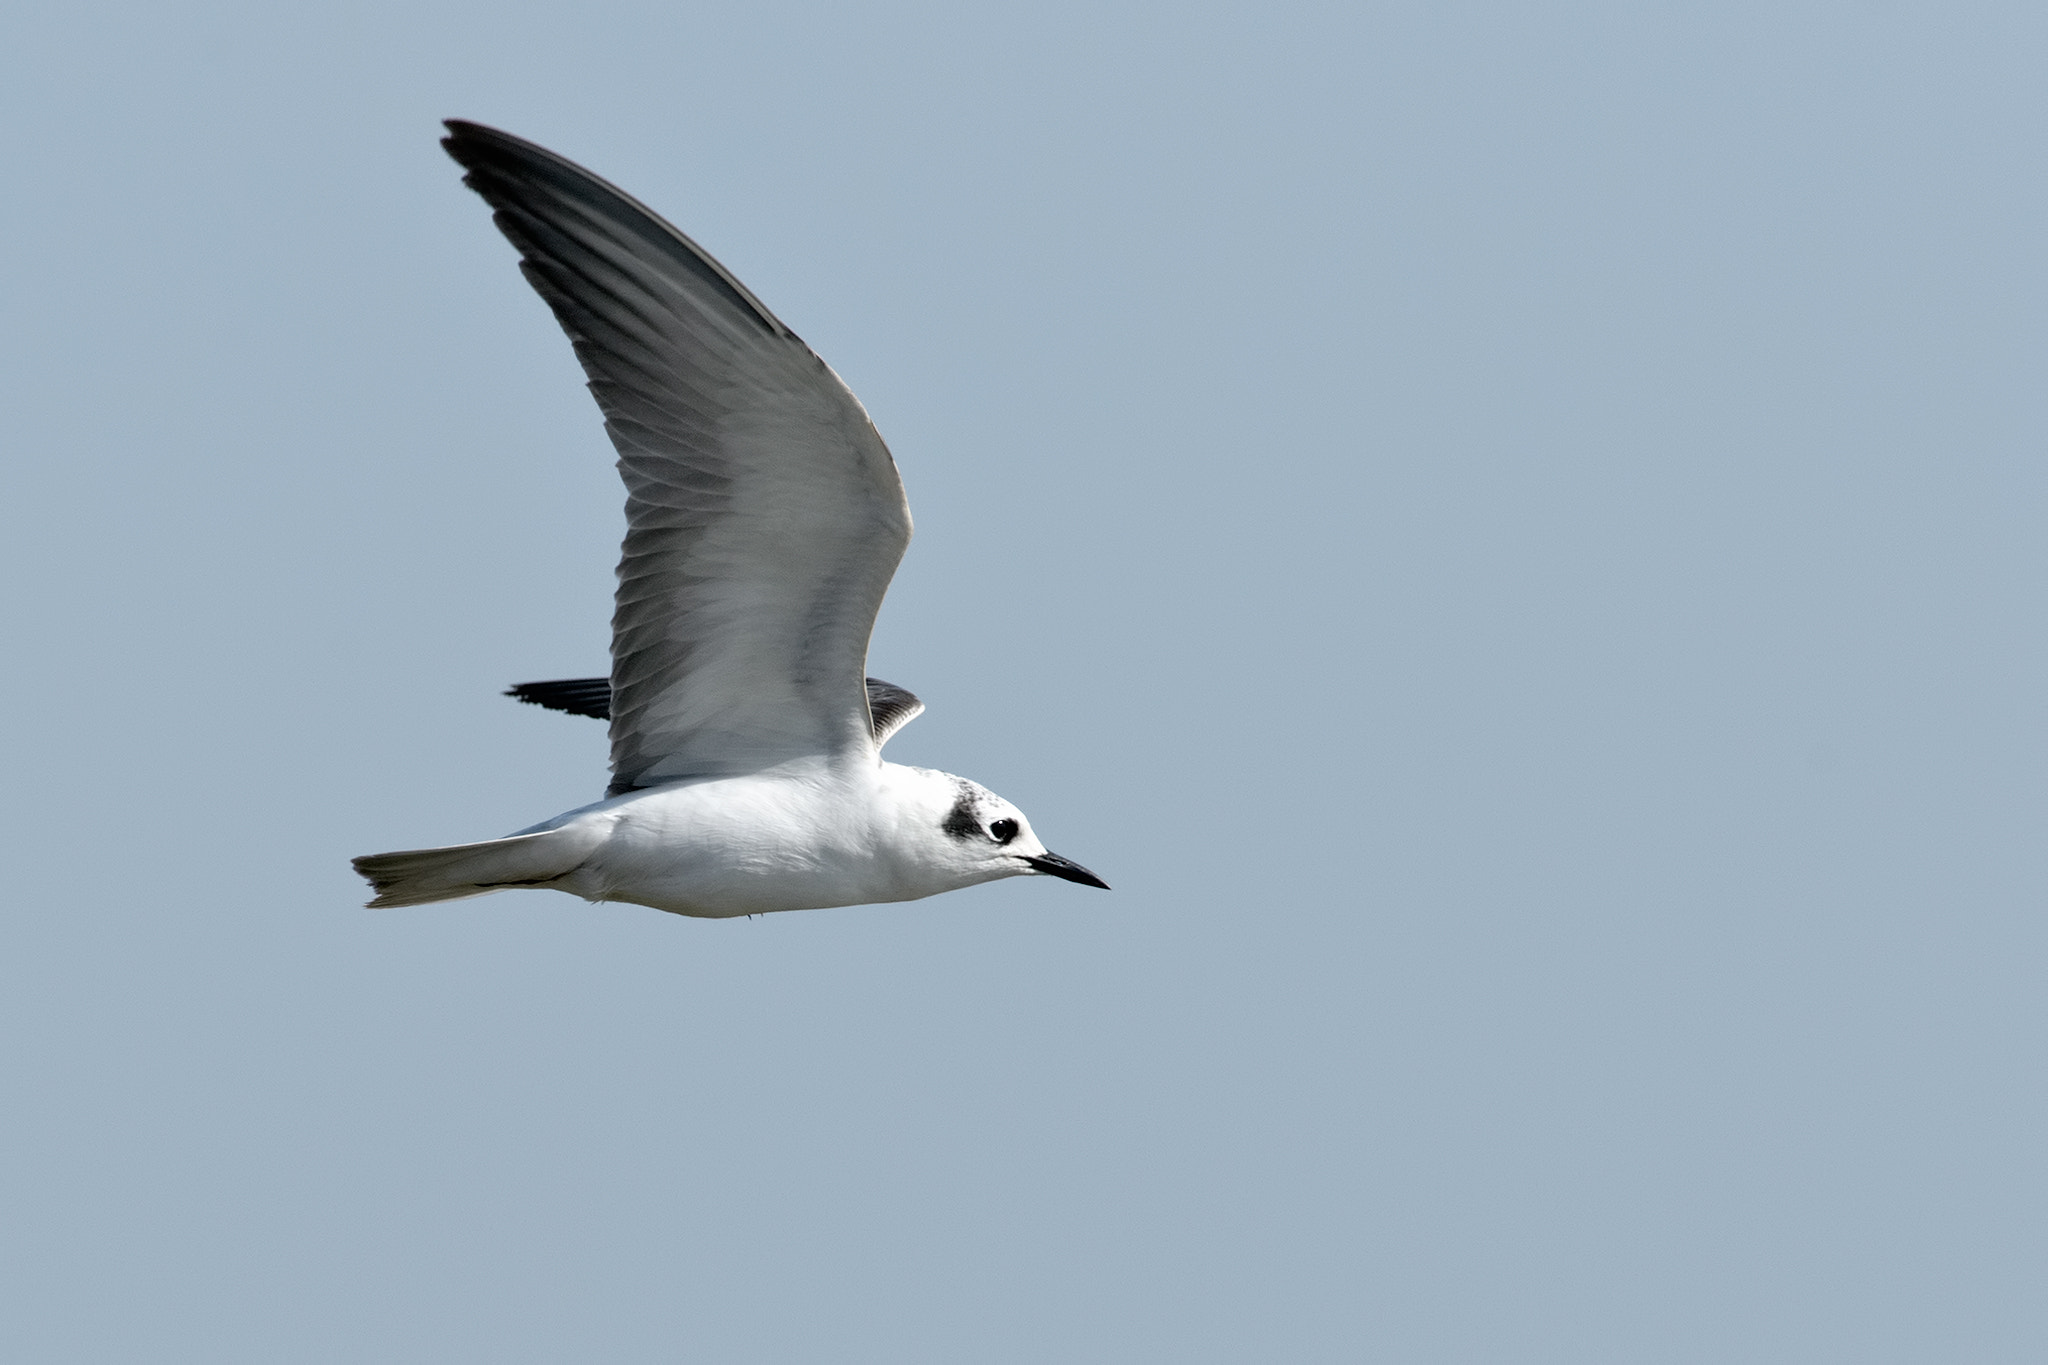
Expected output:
(764, 520)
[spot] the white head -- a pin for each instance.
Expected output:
(962, 833)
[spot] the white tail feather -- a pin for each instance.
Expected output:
(424, 875)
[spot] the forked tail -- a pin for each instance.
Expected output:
(422, 876)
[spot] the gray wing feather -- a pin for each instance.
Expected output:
(764, 515)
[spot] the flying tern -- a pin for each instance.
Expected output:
(764, 519)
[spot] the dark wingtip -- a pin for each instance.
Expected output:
(510, 172)
(476, 146)
(461, 130)
(578, 696)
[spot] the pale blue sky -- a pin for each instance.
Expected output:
(1512, 535)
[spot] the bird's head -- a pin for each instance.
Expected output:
(973, 835)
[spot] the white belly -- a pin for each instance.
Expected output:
(745, 846)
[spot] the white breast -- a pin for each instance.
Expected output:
(802, 836)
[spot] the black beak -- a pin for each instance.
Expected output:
(1053, 865)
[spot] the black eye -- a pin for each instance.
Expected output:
(1002, 831)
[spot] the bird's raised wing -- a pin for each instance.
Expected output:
(764, 516)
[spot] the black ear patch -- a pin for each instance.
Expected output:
(961, 822)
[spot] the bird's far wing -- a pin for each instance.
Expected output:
(764, 516)
(578, 696)
(890, 707)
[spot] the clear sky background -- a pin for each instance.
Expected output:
(1513, 535)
